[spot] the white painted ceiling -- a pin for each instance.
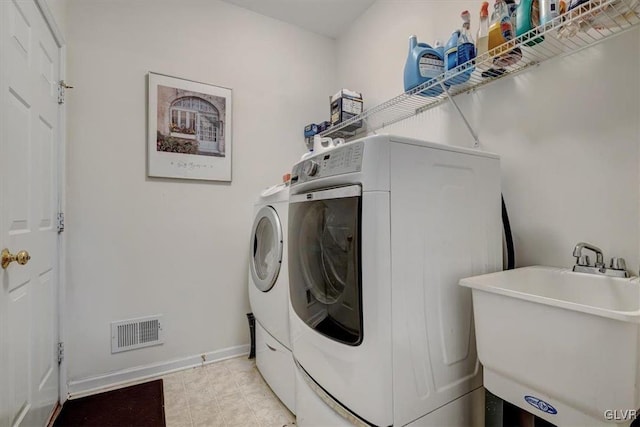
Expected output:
(327, 17)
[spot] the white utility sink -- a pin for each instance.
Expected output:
(562, 345)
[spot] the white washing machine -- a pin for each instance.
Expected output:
(380, 232)
(269, 292)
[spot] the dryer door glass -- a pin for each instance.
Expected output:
(266, 245)
(324, 264)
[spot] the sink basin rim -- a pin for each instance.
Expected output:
(483, 283)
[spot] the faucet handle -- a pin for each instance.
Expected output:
(618, 263)
(583, 260)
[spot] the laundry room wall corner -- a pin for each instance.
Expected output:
(139, 246)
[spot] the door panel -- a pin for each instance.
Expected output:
(46, 67)
(45, 342)
(46, 179)
(20, 29)
(29, 126)
(17, 162)
(19, 350)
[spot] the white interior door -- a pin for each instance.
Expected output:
(29, 67)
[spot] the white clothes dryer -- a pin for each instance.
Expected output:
(269, 292)
(380, 232)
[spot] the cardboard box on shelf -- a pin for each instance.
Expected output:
(344, 105)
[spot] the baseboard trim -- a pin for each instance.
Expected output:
(125, 377)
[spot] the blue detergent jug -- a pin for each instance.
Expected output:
(424, 64)
(451, 58)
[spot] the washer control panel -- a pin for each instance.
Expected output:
(343, 159)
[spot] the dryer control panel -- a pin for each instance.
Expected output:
(343, 159)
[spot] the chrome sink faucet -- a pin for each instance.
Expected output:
(617, 268)
(583, 260)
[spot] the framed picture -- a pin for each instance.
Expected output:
(189, 129)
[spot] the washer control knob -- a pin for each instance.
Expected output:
(311, 168)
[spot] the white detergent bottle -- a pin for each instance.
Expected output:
(482, 40)
(466, 48)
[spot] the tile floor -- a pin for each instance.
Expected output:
(227, 393)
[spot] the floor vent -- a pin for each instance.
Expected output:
(136, 333)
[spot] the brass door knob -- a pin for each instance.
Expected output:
(21, 257)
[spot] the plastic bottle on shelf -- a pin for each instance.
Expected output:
(460, 53)
(424, 63)
(451, 57)
(573, 25)
(511, 9)
(528, 18)
(482, 39)
(501, 32)
(500, 27)
(466, 48)
(516, 53)
(549, 10)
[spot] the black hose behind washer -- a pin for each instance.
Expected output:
(511, 259)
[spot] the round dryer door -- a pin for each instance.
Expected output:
(266, 247)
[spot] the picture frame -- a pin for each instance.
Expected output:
(189, 133)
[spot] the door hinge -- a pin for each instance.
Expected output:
(60, 352)
(62, 87)
(60, 222)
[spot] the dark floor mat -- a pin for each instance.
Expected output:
(140, 405)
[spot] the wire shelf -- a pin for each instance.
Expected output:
(577, 29)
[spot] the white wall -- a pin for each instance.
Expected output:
(567, 131)
(140, 246)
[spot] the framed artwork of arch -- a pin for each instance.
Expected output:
(189, 134)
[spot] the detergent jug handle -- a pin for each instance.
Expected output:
(413, 42)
